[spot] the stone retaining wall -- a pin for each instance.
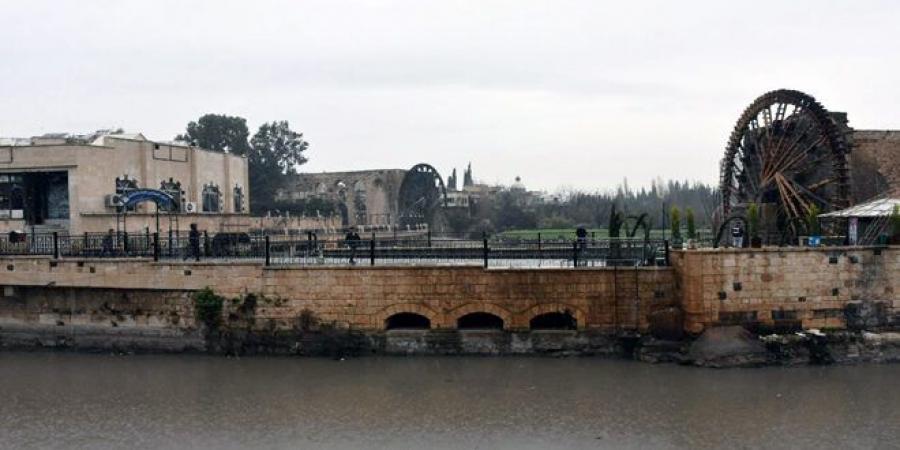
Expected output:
(609, 299)
(151, 303)
(781, 285)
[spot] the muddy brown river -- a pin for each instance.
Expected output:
(60, 400)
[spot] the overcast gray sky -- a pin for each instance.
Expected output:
(574, 94)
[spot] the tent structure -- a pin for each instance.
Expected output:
(866, 222)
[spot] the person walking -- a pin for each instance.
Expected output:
(193, 243)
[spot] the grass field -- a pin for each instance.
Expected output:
(597, 233)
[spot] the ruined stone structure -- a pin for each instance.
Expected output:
(366, 197)
(875, 164)
(409, 199)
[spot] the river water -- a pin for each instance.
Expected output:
(60, 400)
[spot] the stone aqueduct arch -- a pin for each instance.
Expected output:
(380, 317)
(447, 320)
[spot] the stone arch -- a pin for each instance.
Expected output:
(553, 307)
(407, 321)
(490, 308)
(379, 319)
(480, 321)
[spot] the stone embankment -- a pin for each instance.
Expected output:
(719, 347)
(724, 347)
(710, 308)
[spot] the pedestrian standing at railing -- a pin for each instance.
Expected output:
(107, 244)
(581, 238)
(193, 243)
(352, 239)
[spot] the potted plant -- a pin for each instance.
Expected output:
(813, 227)
(614, 229)
(753, 225)
(675, 220)
(691, 228)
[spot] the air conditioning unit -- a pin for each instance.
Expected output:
(190, 207)
(113, 200)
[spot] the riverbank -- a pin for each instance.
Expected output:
(720, 347)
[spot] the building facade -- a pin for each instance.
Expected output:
(875, 164)
(71, 184)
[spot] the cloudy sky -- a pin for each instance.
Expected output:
(566, 94)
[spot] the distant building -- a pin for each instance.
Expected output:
(67, 183)
(363, 198)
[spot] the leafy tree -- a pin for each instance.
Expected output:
(276, 145)
(218, 132)
(275, 152)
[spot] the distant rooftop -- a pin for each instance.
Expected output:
(97, 138)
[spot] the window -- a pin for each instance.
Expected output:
(173, 188)
(737, 317)
(12, 196)
(212, 198)
(238, 199)
(123, 186)
(780, 314)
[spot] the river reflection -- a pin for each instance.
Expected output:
(96, 401)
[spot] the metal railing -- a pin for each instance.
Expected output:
(372, 251)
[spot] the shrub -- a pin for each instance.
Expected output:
(208, 308)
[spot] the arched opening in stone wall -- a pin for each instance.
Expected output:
(554, 321)
(407, 321)
(479, 321)
(345, 215)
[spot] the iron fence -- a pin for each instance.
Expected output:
(308, 250)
